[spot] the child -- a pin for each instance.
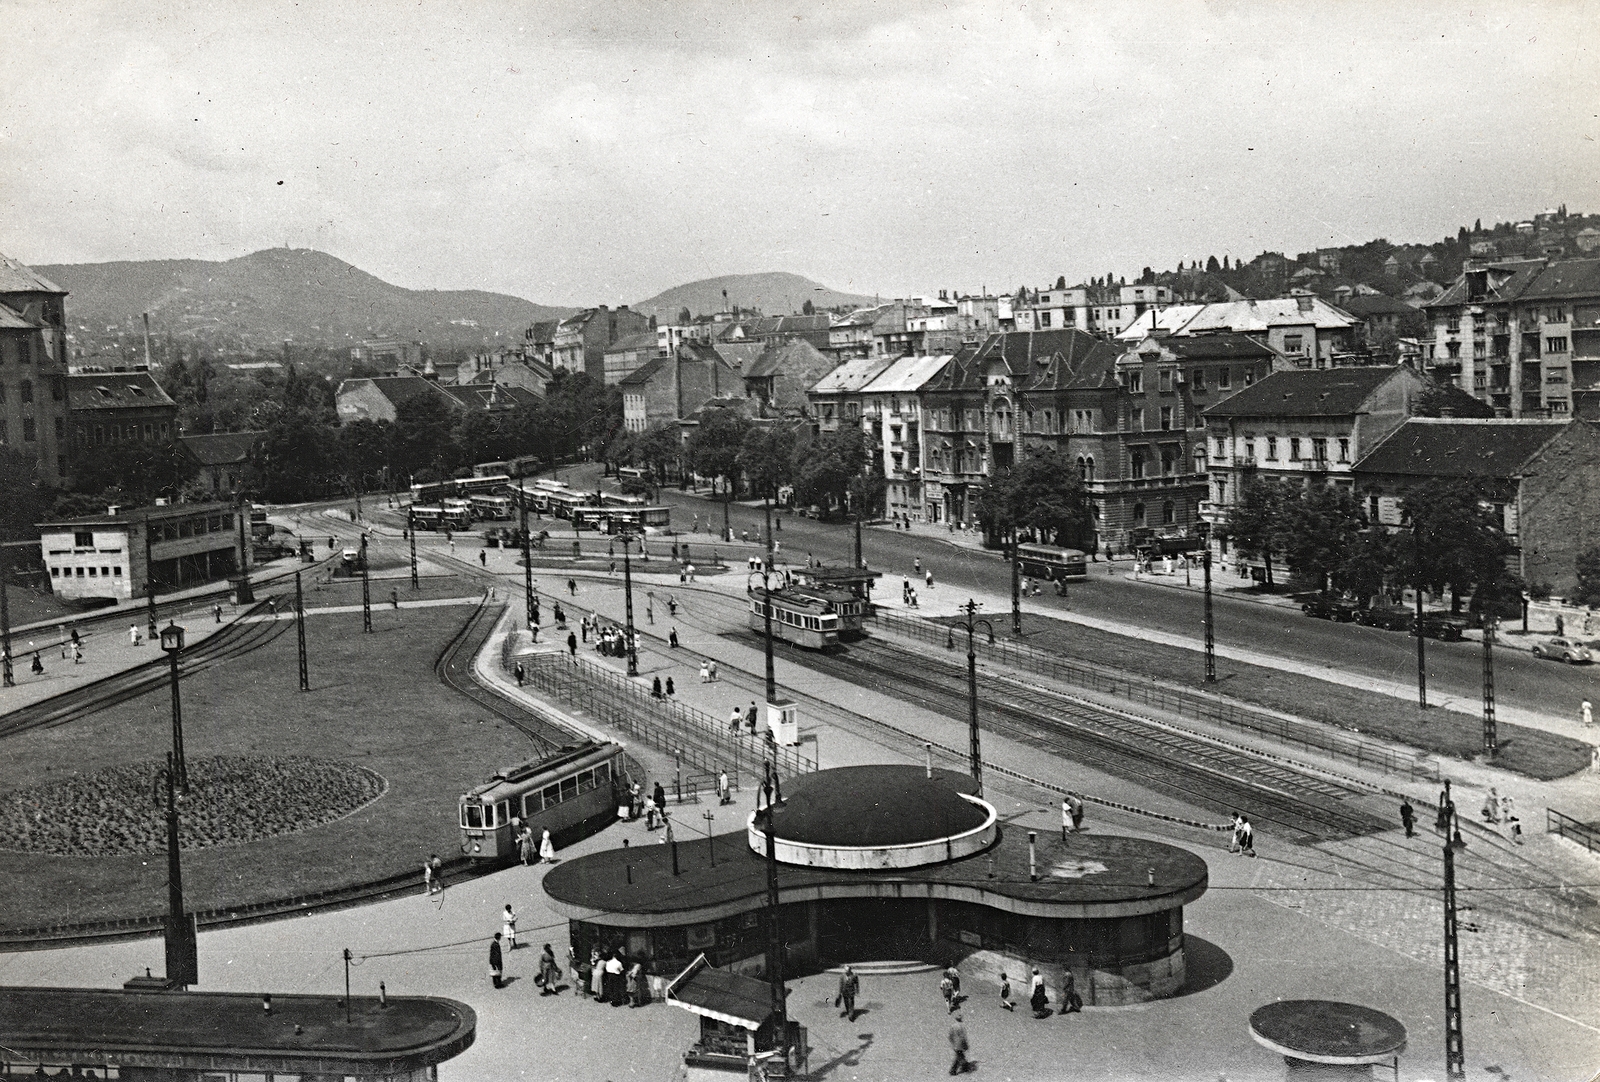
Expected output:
(1005, 994)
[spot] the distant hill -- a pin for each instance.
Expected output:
(298, 295)
(775, 294)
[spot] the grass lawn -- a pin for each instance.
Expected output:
(1533, 752)
(374, 702)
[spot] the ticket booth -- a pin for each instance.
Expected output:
(738, 1029)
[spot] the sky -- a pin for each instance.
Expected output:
(583, 154)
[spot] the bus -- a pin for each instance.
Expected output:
(560, 504)
(588, 518)
(639, 520)
(440, 518)
(1052, 563)
(619, 499)
(496, 508)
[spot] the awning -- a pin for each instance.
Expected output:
(721, 994)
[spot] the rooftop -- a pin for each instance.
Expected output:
(907, 375)
(1461, 447)
(876, 805)
(852, 375)
(17, 278)
(126, 516)
(1330, 392)
(220, 448)
(115, 390)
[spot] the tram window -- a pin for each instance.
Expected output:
(471, 815)
(569, 788)
(585, 781)
(531, 804)
(602, 774)
(504, 810)
(552, 796)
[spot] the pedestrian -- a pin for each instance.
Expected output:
(549, 974)
(672, 639)
(525, 847)
(955, 982)
(958, 1043)
(671, 689)
(1491, 806)
(612, 570)
(636, 984)
(1071, 1002)
(650, 612)
(427, 878)
(649, 814)
(615, 988)
(1005, 994)
(581, 969)
(1586, 712)
(705, 673)
(1233, 844)
(572, 587)
(216, 610)
(572, 645)
(77, 652)
(928, 577)
(37, 668)
(917, 564)
(948, 991)
(1038, 998)
(1407, 817)
(134, 638)
(561, 614)
(1442, 822)
(483, 558)
(713, 666)
(1507, 808)
(597, 975)
(635, 800)
(508, 927)
(438, 873)
(655, 688)
(1561, 626)
(496, 962)
(690, 570)
(547, 849)
(672, 605)
(521, 674)
(723, 795)
(1516, 830)
(1247, 837)
(394, 599)
(1066, 818)
(849, 985)
(750, 716)
(1075, 808)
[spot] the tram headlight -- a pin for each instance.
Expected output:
(476, 848)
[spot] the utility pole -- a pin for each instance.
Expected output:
(627, 600)
(766, 572)
(246, 596)
(780, 995)
(182, 954)
(1211, 644)
(300, 632)
(154, 629)
(860, 563)
(1491, 742)
(970, 625)
(172, 642)
(1016, 587)
(1455, 1057)
(366, 588)
(527, 558)
(411, 532)
(5, 624)
(1416, 628)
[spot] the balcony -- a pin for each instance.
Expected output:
(1314, 465)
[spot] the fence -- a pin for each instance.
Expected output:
(1582, 833)
(705, 743)
(1148, 692)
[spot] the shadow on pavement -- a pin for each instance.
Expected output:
(1207, 965)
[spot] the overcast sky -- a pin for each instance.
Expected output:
(598, 153)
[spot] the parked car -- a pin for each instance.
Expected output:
(1569, 650)
(1387, 619)
(1441, 626)
(1336, 609)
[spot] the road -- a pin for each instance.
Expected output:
(1454, 669)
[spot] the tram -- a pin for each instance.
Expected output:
(851, 610)
(796, 617)
(1052, 563)
(570, 794)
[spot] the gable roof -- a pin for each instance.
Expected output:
(17, 278)
(737, 355)
(220, 448)
(644, 373)
(115, 390)
(852, 376)
(796, 353)
(1329, 392)
(1262, 315)
(632, 342)
(1565, 278)
(1229, 345)
(1505, 281)
(908, 374)
(1462, 447)
(401, 389)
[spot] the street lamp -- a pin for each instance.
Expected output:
(172, 643)
(627, 594)
(1491, 742)
(970, 625)
(183, 967)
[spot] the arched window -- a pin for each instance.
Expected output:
(1089, 462)
(1083, 469)
(1138, 514)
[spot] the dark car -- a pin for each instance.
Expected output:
(1441, 626)
(1324, 608)
(1387, 619)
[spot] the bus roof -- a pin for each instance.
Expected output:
(1050, 549)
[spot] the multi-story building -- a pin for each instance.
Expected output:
(1541, 476)
(1301, 427)
(118, 408)
(1302, 328)
(122, 553)
(668, 389)
(580, 341)
(223, 458)
(33, 369)
(780, 378)
(1101, 309)
(851, 336)
(892, 419)
(387, 354)
(836, 398)
(1522, 335)
(629, 354)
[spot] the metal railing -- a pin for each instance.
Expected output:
(705, 743)
(1148, 692)
(1570, 828)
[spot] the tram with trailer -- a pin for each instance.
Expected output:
(441, 518)
(796, 617)
(851, 610)
(1054, 564)
(570, 793)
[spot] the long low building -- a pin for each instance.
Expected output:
(121, 553)
(895, 862)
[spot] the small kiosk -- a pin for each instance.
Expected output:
(738, 1029)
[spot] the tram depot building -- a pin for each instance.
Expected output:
(119, 554)
(894, 862)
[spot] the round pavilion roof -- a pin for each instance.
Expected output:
(881, 805)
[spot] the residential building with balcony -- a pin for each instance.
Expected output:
(1487, 343)
(836, 398)
(892, 419)
(1542, 478)
(850, 336)
(1300, 427)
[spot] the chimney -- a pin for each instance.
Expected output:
(147, 340)
(1303, 300)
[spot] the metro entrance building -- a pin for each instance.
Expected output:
(894, 862)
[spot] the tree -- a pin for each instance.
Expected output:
(658, 448)
(1320, 529)
(1368, 566)
(1588, 591)
(1212, 266)
(825, 469)
(295, 459)
(766, 457)
(713, 447)
(363, 451)
(425, 435)
(138, 471)
(1255, 522)
(1457, 544)
(1042, 495)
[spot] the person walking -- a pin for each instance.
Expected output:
(947, 989)
(572, 646)
(712, 665)
(520, 673)
(549, 973)
(636, 984)
(427, 878)
(437, 867)
(672, 605)
(615, 990)
(849, 986)
(508, 927)
(655, 688)
(724, 796)
(483, 558)
(597, 975)
(1247, 837)
(1005, 994)
(1071, 1002)
(928, 577)
(581, 971)
(547, 849)
(734, 719)
(955, 984)
(750, 717)
(572, 587)
(496, 962)
(958, 1044)
(1408, 817)
(659, 795)
(1066, 819)
(134, 638)
(671, 689)
(216, 610)
(77, 652)
(672, 639)
(1038, 998)
(705, 673)
(529, 855)
(1586, 713)
(1491, 806)
(1075, 810)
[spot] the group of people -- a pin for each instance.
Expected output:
(610, 979)
(1244, 836)
(548, 975)
(747, 716)
(529, 853)
(908, 594)
(708, 671)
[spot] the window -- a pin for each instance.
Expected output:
(1555, 315)
(1136, 419)
(1294, 448)
(1250, 451)
(83, 539)
(1344, 449)
(1249, 376)
(1452, 324)
(1044, 319)
(1478, 351)
(472, 816)
(1136, 463)
(552, 795)
(1224, 378)
(1136, 382)
(1169, 461)
(1452, 349)
(1557, 405)
(1089, 465)
(1272, 448)
(28, 433)
(1294, 343)
(1166, 418)
(1083, 469)
(1319, 448)
(1197, 381)
(1169, 514)
(1216, 448)
(1138, 515)
(1166, 379)
(27, 390)
(1557, 344)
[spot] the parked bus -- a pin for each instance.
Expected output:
(440, 518)
(645, 520)
(620, 499)
(495, 508)
(1052, 563)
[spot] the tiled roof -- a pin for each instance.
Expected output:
(1565, 278)
(1228, 346)
(115, 390)
(787, 355)
(738, 355)
(633, 342)
(13, 321)
(16, 278)
(852, 376)
(907, 375)
(1331, 392)
(220, 448)
(400, 389)
(643, 374)
(1253, 315)
(1457, 447)
(1375, 304)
